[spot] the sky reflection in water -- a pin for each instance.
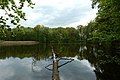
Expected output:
(21, 69)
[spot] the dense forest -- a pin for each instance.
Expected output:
(105, 27)
(42, 34)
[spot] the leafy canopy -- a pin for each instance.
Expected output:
(108, 19)
(12, 12)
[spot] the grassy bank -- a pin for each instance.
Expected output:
(10, 43)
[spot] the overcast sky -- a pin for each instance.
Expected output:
(57, 13)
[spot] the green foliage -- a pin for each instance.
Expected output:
(13, 12)
(86, 32)
(107, 23)
(42, 34)
(106, 26)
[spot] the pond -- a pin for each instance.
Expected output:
(89, 62)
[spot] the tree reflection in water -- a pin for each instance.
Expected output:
(55, 68)
(105, 58)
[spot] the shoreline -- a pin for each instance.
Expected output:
(11, 43)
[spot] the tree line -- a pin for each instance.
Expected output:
(42, 34)
(105, 27)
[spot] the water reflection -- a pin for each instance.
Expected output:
(91, 62)
(20, 69)
(105, 58)
(56, 65)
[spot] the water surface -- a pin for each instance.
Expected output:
(29, 62)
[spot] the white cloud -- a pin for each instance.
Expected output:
(85, 19)
(55, 13)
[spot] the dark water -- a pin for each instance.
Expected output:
(91, 62)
